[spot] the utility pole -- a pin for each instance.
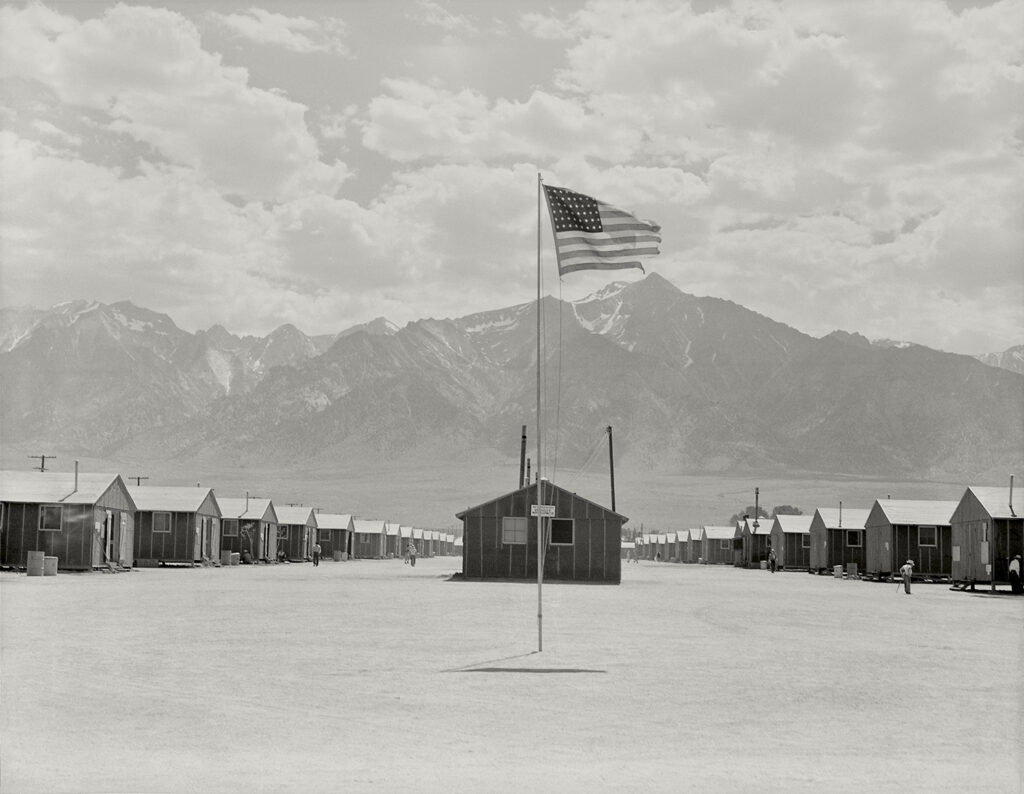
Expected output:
(138, 479)
(611, 465)
(42, 460)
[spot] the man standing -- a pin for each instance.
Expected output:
(772, 561)
(316, 554)
(1016, 587)
(907, 571)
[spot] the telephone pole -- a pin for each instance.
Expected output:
(42, 461)
(138, 479)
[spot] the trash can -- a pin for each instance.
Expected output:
(35, 563)
(236, 557)
(225, 558)
(49, 566)
(837, 571)
(851, 569)
(344, 556)
(337, 556)
(764, 565)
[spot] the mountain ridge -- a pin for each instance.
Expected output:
(693, 384)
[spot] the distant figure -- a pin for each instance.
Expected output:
(1016, 587)
(281, 555)
(412, 554)
(657, 557)
(316, 554)
(772, 562)
(405, 554)
(907, 571)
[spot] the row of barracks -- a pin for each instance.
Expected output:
(969, 541)
(88, 521)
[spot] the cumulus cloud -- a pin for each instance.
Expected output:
(416, 120)
(297, 34)
(427, 12)
(146, 69)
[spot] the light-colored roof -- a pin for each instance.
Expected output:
(996, 500)
(458, 541)
(695, 533)
(662, 539)
(648, 538)
(368, 526)
(169, 498)
(417, 534)
(719, 533)
(850, 518)
(628, 544)
(294, 515)
(797, 525)
(55, 486)
(405, 531)
(240, 507)
(911, 511)
(764, 526)
(391, 530)
(333, 520)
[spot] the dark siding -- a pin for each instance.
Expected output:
(795, 555)
(593, 555)
(72, 546)
(174, 546)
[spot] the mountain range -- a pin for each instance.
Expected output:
(689, 384)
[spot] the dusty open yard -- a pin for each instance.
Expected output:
(375, 676)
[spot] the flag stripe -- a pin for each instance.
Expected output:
(592, 235)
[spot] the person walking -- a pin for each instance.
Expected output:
(1016, 587)
(316, 554)
(412, 554)
(907, 572)
(772, 561)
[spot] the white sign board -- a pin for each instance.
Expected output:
(544, 511)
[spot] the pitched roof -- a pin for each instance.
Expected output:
(240, 507)
(996, 500)
(764, 525)
(912, 511)
(798, 525)
(333, 520)
(169, 498)
(533, 487)
(719, 533)
(294, 515)
(368, 526)
(33, 487)
(847, 518)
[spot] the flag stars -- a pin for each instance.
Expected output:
(573, 211)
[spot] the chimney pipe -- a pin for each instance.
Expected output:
(76, 477)
(840, 513)
(527, 471)
(522, 459)
(1011, 497)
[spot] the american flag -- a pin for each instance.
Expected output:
(592, 235)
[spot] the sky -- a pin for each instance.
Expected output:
(843, 165)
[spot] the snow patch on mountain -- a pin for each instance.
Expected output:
(220, 366)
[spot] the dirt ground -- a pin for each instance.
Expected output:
(376, 676)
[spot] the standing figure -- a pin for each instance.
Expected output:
(772, 562)
(412, 554)
(1016, 587)
(907, 571)
(316, 554)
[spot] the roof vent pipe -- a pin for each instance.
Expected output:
(1011, 497)
(76, 481)
(840, 513)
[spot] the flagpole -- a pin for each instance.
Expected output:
(540, 480)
